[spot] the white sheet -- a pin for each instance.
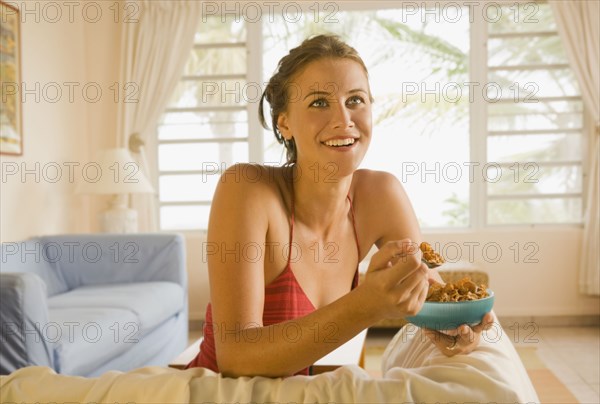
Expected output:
(413, 372)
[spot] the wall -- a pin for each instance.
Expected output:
(66, 55)
(102, 56)
(41, 202)
(533, 271)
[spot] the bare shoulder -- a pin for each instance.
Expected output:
(383, 206)
(373, 185)
(376, 192)
(250, 191)
(251, 182)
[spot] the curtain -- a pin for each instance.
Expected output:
(578, 24)
(155, 45)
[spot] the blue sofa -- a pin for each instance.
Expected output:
(86, 304)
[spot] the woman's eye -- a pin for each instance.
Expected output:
(355, 100)
(319, 103)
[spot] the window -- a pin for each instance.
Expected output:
(534, 131)
(477, 138)
(205, 126)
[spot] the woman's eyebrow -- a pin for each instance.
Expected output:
(325, 93)
(357, 90)
(317, 92)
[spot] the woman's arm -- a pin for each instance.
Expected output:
(395, 218)
(244, 346)
(391, 215)
(398, 220)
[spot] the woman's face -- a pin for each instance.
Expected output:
(329, 116)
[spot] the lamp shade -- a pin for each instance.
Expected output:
(114, 171)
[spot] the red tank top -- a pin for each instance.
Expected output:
(284, 300)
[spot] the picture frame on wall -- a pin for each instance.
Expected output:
(11, 128)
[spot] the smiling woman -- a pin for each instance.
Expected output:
(327, 123)
(336, 119)
(315, 93)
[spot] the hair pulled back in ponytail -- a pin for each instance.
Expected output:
(277, 91)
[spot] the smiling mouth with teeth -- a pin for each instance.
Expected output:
(339, 142)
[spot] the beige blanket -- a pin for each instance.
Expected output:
(413, 369)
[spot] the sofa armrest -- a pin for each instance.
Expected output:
(93, 259)
(24, 322)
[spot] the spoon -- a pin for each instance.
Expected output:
(430, 264)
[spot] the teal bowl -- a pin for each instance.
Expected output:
(450, 315)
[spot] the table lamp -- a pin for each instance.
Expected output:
(118, 174)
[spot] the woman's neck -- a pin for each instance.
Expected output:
(319, 199)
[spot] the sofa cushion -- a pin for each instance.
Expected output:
(87, 337)
(150, 302)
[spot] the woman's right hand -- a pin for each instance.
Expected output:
(397, 280)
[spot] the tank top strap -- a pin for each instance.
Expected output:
(354, 225)
(291, 238)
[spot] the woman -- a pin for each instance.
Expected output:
(272, 313)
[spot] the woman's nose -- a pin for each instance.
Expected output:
(342, 117)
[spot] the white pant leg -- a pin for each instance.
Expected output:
(493, 372)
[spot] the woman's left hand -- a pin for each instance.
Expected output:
(462, 340)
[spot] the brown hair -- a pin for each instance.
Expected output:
(276, 91)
